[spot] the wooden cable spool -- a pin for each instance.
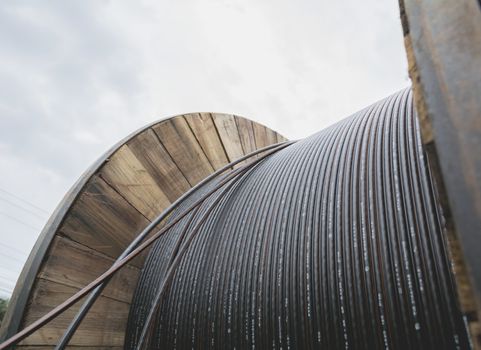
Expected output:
(109, 205)
(138, 178)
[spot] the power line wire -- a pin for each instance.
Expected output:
(23, 208)
(13, 248)
(18, 220)
(10, 271)
(9, 291)
(7, 287)
(2, 254)
(24, 200)
(8, 280)
(7, 283)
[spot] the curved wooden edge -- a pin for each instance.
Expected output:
(18, 301)
(27, 280)
(443, 46)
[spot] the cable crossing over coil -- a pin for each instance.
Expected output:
(333, 242)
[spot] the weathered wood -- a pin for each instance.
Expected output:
(159, 164)
(17, 304)
(184, 149)
(280, 138)
(464, 286)
(130, 185)
(205, 131)
(444, 52)
(103, 220)
(271, 136)
(260, 135)
(125, 173)
(104, 324)
(246, 134)
(74, 265)
(229, 134)
(443, 45)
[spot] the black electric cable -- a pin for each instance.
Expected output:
(118, 264)
(94, 294)
(177, 255)
(335, 242)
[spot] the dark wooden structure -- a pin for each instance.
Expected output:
(443, 46)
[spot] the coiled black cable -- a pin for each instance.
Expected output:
(335, 242)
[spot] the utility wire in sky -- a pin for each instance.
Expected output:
(5, 279)
(7, 286)
(24, 201)
(23, 208)
(5, 290)
(18, 251)
(10, 257)
(19, 221)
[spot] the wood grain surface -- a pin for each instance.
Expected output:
(111, 204)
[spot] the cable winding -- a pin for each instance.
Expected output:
(335, 242)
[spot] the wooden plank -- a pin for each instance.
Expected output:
(103, 220)
(260, 135)
(280, 138)
(205, 131)
(159, 164)
(264, 136)
(125, 173)
(443, 46)
(104, 324)
(184, 149)
(227, 128)
(271, 136)
(18, 301)
(246, 134)
(112, 208)
(75, 265)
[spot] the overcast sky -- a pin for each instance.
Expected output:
(77, 76)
